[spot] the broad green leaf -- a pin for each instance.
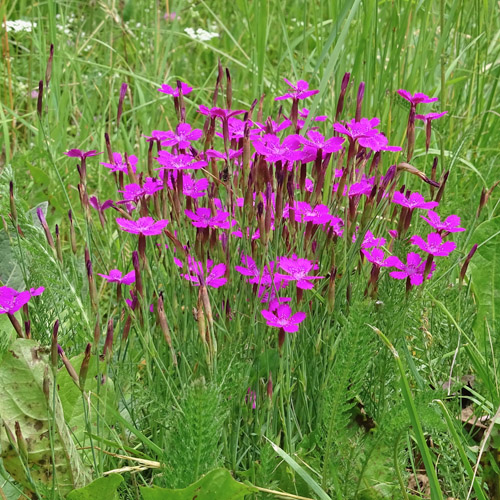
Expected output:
(72, 402)
(49, 447)
(485, 274)
(217, 484)
(104, 488)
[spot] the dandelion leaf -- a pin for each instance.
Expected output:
(485, 274)
(104, 488)
(35, 461)
(217, 484)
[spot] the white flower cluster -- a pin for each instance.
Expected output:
(200, 35)
(19, 25)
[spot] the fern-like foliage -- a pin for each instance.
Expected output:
(194, 439)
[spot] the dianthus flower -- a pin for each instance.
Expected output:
(115, 276)
(167, 89)
(169, 161)
(194, 188)
(297, 270)
(417, 98)
(320, 214)
(298, 91)
(78, 153)
(317, 141)
(120, 165)
(273, 150)
(182, 137)
(203, 218)
(145, 225)
(376, 256)
(214, 277)
(216, 112)
(283, 318)
(415, 200)
(430, 116)
(434, 245)
(11, 300)
(357, 130)
(450, 225)
(413, 269)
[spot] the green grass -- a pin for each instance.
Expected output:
(346, 422)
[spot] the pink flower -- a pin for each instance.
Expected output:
(169, 161)
(192, 187)
(216, 112)
(320, 214)
(273, 150)
(78, 153)
(11, 300)
(100, 207)
(251, 397)
(355, 130)
(182, 137)
(132, 192)
(413, 269)
(376, 256)
(203, 218)
(430, 116)
(297, 270)
(434, 245)
(370, 241)
(283, 318)
(304, 113)
(271, 127)
(120, 165)
(415, 200)
(145, 225)
(152, 185)
(298, 91)
(377, 142)
(213, 153)
(450, 225)
(317, 141)
(249, 268)
(167, 89)
(215, 274)
(417, 98)
(115, 276)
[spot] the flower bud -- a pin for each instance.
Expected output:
(465, 265)
(13, 210)
(84, 368)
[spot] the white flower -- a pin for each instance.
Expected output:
(200, 34)
(19, 25)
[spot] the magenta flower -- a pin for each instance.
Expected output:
(430, 116)
(251, 397)
(298, 91)
(413, 269)
(216, 112)
(132, 192)
(377, 142)
(156, 135)
(203, 218)
(364, 186)
(450, 225)
(145, 225)
(370, 241)
(115, 276)
(320, 214)
(11, 300)
(213, 153)
(356, 130)
(415, 200)
(272, 127)
(304, 113)
(120, 165)
(78, 153)
(236, 129)
(283, 318)
(214, 278)
(273, 150)
(192, 187)
(249, 267)
(376, 256)
(317, 141)
(169, 161)
(417, 98)
(297, 270)
(152, 185)
(182, 137)
(167, 89)
(434, 245)
(100, 207)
